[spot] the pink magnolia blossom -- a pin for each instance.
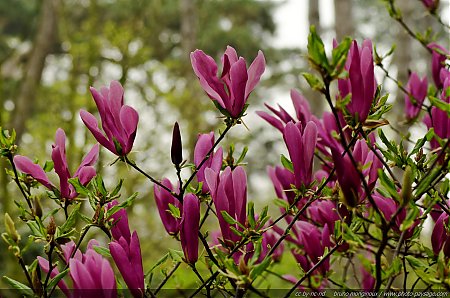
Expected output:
(126, 252)
(229, 193)
(440, 120)
(163, 198)
(232, 88)
(440, 238)
(302, 111)
(438, 63)
(361, 82)
(301, 146)
(92, 274)
(417, 89)
(431, 5)
(189, 227)
(119, 121)
(85, 171)
(204, 143)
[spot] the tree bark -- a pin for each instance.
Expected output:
(343, 16)
(402, 60)
(314, 15)
(43, 44)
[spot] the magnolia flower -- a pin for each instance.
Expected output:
(361, 82)
(348, 178)
(232, 88)
(369, 162)
(126, 252)
(282, 179)
(119, 121)
(45, 266)
(204, 143)
(302, 111)
(301, 148)
(311, 243)
(229, 193)
(90, 271)
(189, 227)
(431, 5)
(440, 238)
(438, 63)
(85, 171)
(440, 120)
(163, 198)
(417, 92)
(388, 207)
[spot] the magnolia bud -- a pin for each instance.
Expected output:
(37, 207)
(243, 268)
(11, 229)
(51, 228)
(406, 193)
(176, 152)
(36, 280)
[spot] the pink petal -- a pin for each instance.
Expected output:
(91, 123)
(129, 119)
(255, 72)
(239, 77)
(25, 165)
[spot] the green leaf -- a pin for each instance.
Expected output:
(48, 166)
(228, 218)
(79, 188)
(339, 55)
(128, 202)
(117, 188)
(175, 211)
(159, 262)
(287, 164)
(388, 144)
(316, 50)
(281, 203)
(104, 251)
(242, 156)
(23, 289)
(440, 104)
(35, 230)
(70, 221)
(176, 255)
(389, 185)
(57, 278)
(314, 81)
(411, 216)
(251, 214)
(426, 181)
(421, 142)
(256, 271)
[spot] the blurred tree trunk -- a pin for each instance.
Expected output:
(314, 15)
(314, 20)
(189, 112)
(43, 43)
(343, 15)
(402, 60)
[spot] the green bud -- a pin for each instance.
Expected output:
(11, 228)
(406, 193)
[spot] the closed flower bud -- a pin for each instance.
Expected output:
(176, 152)
(11, 228)
(51, 228)
(406, 193)
(37, 207)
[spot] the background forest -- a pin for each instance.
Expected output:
(51, 51)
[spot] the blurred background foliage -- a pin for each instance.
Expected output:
(51, 51)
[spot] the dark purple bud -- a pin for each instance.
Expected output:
(176, 152)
